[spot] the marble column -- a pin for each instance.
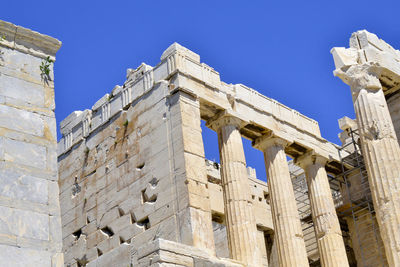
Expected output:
(288, 233)
(381, 152)
(240, 219)
(326, 224)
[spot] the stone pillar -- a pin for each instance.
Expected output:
(240, 219)
(288, 233)
(381, 152)
(194, 211)
(326, 224)
(30, 219)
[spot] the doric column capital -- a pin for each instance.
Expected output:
(310, 158)
(359, 77)
(267, 140)
(228, 117)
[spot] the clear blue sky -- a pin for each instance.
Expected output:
(279, 48)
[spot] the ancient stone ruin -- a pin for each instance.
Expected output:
(135, 189)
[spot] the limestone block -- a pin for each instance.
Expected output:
(93, 239)
(216, 197)
(166, 229)
(120, 223)
(55, 235)
(346, 123)
(160, 72)
(24, 187)
(29, 122)
(108, 244)
(118, 257)
(71, 121)
(27, 92)
(22, 66)
(23, 153)
(177, 48)
(21, 257)
(344, 57)
(24, 223)
(162, 213)
(101, 102)
(131, 231)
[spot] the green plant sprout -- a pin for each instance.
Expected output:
(45, 67)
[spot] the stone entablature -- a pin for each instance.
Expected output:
(185, 71)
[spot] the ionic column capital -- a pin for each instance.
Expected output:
(226, 118)
(268, 140)
(310, 158)
(361, 76)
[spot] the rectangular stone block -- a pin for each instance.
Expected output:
(23, 153)
(22, 257)
(16, 185)
(21, 120)
(24, 223)
(28, 92)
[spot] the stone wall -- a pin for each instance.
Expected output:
(30, 225)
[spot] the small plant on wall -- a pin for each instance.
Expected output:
(45, 68)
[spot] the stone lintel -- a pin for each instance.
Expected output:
(28, 41)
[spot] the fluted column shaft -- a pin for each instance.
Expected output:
(288, 233)
(326, 224)
(240, 219)
(381, 155)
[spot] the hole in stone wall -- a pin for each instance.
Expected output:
(153, 199)
(217, 217)
(82, 262)
(75, 187)
(121, 212)
(77, 234)
(99, 252)
(107, 231)
(145, 222)
(269, 241)
(140, 166)
(154, 182)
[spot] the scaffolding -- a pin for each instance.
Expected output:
(355, 204)
(300, 189)
(353, 201)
